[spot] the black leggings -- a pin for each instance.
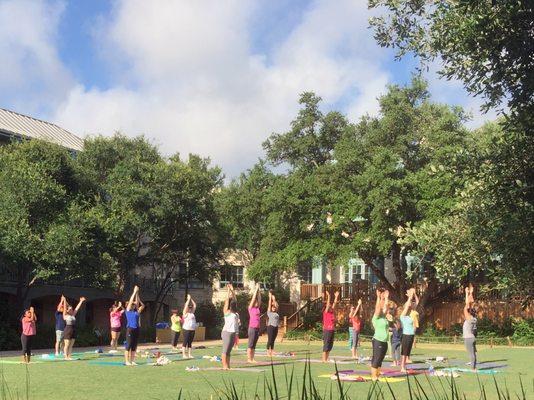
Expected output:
(26, 341)
(407, 343)
(188, 338)
(272, 333)
(379, 352)
(132, 337)
(174, 338)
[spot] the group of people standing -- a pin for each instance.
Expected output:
(388, 328)
(383, 320)
(230, 329)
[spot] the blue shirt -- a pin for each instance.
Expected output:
(132, 319)
(60, 322)
(396, 335)
(407, 325)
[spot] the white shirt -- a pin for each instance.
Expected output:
(190, 322)
(231, 323)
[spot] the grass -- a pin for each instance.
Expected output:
(290, 380)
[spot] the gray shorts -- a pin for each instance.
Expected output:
(228, 339)
(59, 336)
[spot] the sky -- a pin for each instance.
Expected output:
(210, 77)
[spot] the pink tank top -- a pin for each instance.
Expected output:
(254, 317)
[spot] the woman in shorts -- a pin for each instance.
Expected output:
(115, 314)
(69, 315)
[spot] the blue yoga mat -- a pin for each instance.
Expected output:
(477, 371)
(111, 363)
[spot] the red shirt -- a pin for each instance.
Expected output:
(328, 321)
(355, 323)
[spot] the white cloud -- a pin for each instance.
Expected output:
(32, 76)
(188, 74)
(190, 79)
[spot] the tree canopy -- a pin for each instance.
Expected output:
(488, 45)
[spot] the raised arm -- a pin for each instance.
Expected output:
(78, 306)
(354, 310)
(188, 302)
(410, 293)
(336, 299)
(258, 295)
(229, 294)
(328, 305)
(61, 304)
(194, 305)
(140, 304)
(119, 307)
(378, 304)
(132, 298)
(33, 316)
(254, 295)
(385, 300)
(270, 301)
(64, 302)
(467, 315)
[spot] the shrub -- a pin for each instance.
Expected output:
(211, 317)
(523, 331)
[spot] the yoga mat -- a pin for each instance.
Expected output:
(481, 365)
(58, 359)
(359, 378)
(387, 373)
(274, 355)
(233, 369)
(113, 363)
(18, 362)
(257, 363)
(477, 371)
(409, 366)
(329, 362)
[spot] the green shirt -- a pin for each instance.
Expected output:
(381, 326)
(176, 324)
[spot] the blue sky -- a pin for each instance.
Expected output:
(210, 77)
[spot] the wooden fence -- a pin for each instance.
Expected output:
(443, 315)
(446, 315)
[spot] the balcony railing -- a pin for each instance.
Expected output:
(349, 292)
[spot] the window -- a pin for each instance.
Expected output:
(305, 272)
(192, 281)
(231, 274)
(355, 271)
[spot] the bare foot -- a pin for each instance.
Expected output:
(403, 371)
(128, 363)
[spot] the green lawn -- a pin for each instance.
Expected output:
(83, 380)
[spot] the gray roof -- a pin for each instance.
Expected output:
(16, 124)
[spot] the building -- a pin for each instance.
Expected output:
(18, 127)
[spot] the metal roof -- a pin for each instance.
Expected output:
(16, 124)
